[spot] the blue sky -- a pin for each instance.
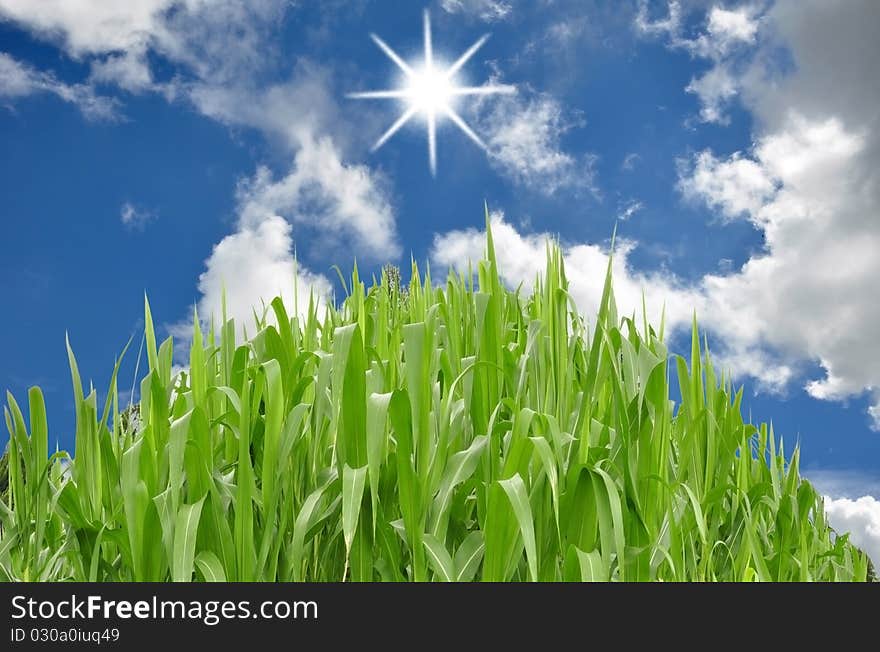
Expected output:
(171, 146)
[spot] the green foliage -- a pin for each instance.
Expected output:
(445, 433)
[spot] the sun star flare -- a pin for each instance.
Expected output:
(429, 91)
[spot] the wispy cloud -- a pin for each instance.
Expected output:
(19, 80)
(487, 10)
(725, 29)
(116, 38)
(90, 26)
(134, 217)
(129, 70)
(629, 208)
(726, 34)
(630, 161)
(524, 134)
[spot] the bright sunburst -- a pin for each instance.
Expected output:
(430, 91)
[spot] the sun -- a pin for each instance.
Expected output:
(430, 91)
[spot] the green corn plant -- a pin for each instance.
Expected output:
(436, 432)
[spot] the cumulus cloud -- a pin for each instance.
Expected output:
(322, 197)
(859, 517)
(726, 30)
(806, 295)
(810, 184)
(715, 89)
(736, 186)
(522, 258)
(488, 10)
(812, 188)
(344, 202)
(338, 202)
(252, 266)
(852, 504)
(19, 80)
(524, 135)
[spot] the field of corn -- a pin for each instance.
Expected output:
(428, 433)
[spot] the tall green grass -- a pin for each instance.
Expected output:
(453, 433)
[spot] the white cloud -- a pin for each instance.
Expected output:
(736, 186)
(566, 32)
(521, 258)
(116, 38)
(725, 29)
(289, 112)
(715, 89)
(16, 79)
(741, 359)
(134, 217)
(859, 517)
(254, 265)
(221, 50)
(727, 34)
(808, 188)
(340, 203)
(198, 35)
(811, 184)
(346, 203)
(524, 137)
(670, 25)
(19, 80)
(89, 26)
(194, 34)
(334, 202)
(488, 10)
(629, 208)
(874, 413)
(128, 70)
